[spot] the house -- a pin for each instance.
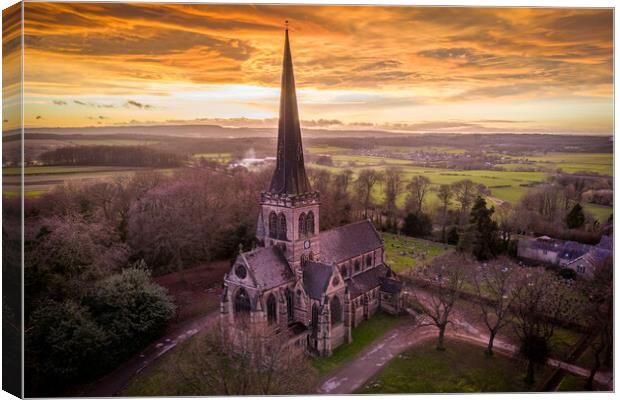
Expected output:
(580, 257)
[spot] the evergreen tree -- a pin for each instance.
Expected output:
(417, 224)
(485, 230)
(575, 218)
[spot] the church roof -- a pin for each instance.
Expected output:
(289, 176)
(349, 241)
(268, 267)
(380, 275)
(365, 281)
(315, 278)
(389, 285)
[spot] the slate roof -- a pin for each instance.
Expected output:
(607, 242)
(365, 281)
(315, 278)
(566, 250)
(349, 241)
(571, 250)
(268, 267)
(390, 285)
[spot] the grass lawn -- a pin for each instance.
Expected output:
(563, 341)
(161, 378)
(601, 213)
(461, 368)
(364, 334)
(574, 383)
(423, 251)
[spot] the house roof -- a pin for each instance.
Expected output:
(607, 242)
(315, 278)
(268, 267)
(568, 250)
(349, 241)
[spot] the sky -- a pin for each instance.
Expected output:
(413, 69)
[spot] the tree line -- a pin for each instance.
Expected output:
(127, 156)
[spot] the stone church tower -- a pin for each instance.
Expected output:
(307, 287)
(290, 208)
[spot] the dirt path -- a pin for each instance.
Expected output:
(117, 380)
(352, 376)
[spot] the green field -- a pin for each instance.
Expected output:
(461, 368)
(325, 149)
(406, 253)
(40, 179)
(509, 185)
(218, 157)
(363, 335)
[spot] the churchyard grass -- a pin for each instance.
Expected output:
(461, 368)
(363, 335)
(574, 383)
(405, 253)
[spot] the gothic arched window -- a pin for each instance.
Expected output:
(302, 225)
(282, 227)
(271, 309)
(242, 303)
(357, 266)
(368, 260)
(289, 305)
(336, 310)
(273, 225)
(310, 223)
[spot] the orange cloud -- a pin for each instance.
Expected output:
(446, 55)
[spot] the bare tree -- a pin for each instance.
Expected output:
(392, 187)
(253, 362)
(418, 189)
(538, 302)
(364, 184)
(495, 286)
(465, 192)
(446, 277)
(444, 193)
(599, 316)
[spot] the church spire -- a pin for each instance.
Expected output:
(289, 176)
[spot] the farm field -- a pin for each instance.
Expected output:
(461, 368)
(508, 186)
(40, 179)
(406, 253)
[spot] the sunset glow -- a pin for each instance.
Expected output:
(402, 68)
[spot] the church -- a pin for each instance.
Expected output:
(308, 286)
